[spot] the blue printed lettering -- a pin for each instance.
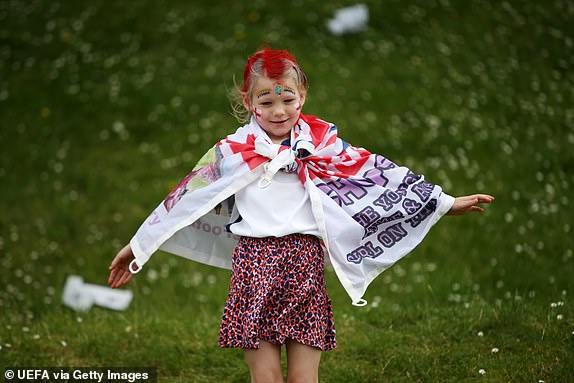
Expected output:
(411, 206)
(344, 190)
(373, 228)
(426, 211)
(388, 199)
(383, 163)
(368, 250)
(410, 178)
(423, 190)
(392, 235)
(367, 216)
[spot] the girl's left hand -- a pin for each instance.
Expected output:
(467, 204)
(120, 268)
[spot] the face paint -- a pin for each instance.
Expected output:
(277, 112)
(289, 90)
(263, 92)
(278, 89)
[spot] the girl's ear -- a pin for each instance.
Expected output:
(246, 102)
(302, 95)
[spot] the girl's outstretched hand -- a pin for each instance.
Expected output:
(467, 204)
(119, 269)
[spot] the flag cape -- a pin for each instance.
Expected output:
(369, 211)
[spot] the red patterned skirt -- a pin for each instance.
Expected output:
(277, 292)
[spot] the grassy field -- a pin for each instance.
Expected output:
(104, 106)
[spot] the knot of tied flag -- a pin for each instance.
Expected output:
(281, 156)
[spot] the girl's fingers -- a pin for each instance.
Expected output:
(478, 198)
(116, 261)
(125, 278)
(112, 276)
(484, 198)
(470, 201)
(467, 204)
(115, 276)
(117, 279)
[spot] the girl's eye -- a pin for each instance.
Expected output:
(266, 103)
(289, 100)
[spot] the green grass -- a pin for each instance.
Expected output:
(104, 107)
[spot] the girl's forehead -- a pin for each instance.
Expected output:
(266, 83)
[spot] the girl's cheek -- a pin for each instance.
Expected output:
(257, 112)
(298, 106)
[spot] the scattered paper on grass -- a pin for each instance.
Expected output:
(349, 20)
(82, 296)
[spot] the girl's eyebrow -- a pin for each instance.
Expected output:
(263, 92)
(290, 90)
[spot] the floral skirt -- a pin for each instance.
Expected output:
(277, 292)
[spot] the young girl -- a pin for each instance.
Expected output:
(292, 193)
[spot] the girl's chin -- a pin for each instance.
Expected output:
(279, 137)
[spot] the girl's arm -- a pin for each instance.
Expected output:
(119, 269)
(467, 204)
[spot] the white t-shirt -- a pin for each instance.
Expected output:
(279, 209)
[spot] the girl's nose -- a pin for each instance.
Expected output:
(279, 110)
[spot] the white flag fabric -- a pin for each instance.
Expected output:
(369, 211)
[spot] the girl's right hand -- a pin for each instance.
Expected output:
(119, 269)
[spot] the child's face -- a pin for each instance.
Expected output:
(276, 105)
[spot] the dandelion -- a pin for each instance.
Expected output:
(36, 336)
(480, 333)
(46, 112)
(152, 275)
(482, 371)
(494, 350)
(559, 317)
(63, 343)
(104, 135)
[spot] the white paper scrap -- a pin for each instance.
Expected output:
(349, 19)
(82, 296)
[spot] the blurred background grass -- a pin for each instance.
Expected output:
(104, 106)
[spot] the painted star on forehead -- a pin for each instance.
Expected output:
(278, 89)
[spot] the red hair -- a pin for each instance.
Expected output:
(274, 62)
